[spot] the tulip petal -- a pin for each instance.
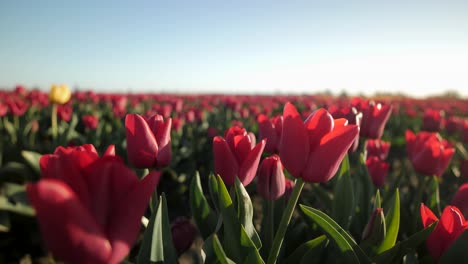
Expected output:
(110, 151)
(267, 131)
(225, 163)
(294, 143)
(162, 133)
(427, 216)
(460, 200)
(242, 147)
(249, 166)
(68, 228)
(126, 214)
(318, 124)
(142, 148)
(325, 160)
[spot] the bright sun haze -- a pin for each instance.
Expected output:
(415, 47)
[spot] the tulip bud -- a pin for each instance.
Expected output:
(378, 148)
(271, 180)
(59, 94)
(183, 234)
(375, 230)
(378, 170)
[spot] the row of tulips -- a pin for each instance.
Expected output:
(336, 187)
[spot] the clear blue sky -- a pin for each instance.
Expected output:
(419, 47)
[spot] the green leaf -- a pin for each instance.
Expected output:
(10, 128)
(245, 213)
(433, 199)
(157, 244)
(15, 172)
(346, 244)
(32, 159)
(219, 252)
(314, 246)
(237, 243)
(396, 253)
(378, 202)
(213, 187)
(202, 213)
(392, 221)
(4, 221)
(343, 207)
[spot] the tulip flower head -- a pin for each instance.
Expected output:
(378, 148)
(270, 129)
(429, 154)
(183, 233)
(460, 199)
(450, 226)
(100, 201)
(374, 118)
(271, 180)
(433, 120)
(148, 141)
(378, 170)
(59, 94)
(236, 155)
(313, 150)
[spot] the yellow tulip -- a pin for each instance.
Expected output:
(59, 94)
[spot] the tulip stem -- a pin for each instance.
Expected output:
(54, 121)
(285, 219)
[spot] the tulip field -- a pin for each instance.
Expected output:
(90, 177)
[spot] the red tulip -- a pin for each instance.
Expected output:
(450, 226)
(64, 112)
(313, 150)
(271, 180)
(90, 121)
(378, 148)
(429, 154)
(374, 118)
(352, 115)
(236, 155)
(270, 129)
(378, 170)
(89, 208)
(460, 199)
(433, 120)
(148, 141)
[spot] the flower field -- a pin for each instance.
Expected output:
(91, 177)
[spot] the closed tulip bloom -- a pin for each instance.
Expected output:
(183, 233)
(433, 120)
(270, 129)
(450, 226)
(148, 141)
(59, 94)
(374, 118)
(378, 148)
(90, 121)
(429, 154)
(89, 207)
(313, 150)
(460, 199)
(271, 180)
(236, 155)
(378, 170)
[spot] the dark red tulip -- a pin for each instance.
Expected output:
(353, 116)
(183, 233)
(313, 150)
(89, 208)
(378, 170)
(236, 155)
(375, 230)
(450, 226)
(270, 129)
(64, 112)
(460, 199)
(148, 141)
(17, 106)
(374, 118)
(90, 121)
(464, 169)
(429, 154)
(378, 148)
(433, 120)
(270, 179)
